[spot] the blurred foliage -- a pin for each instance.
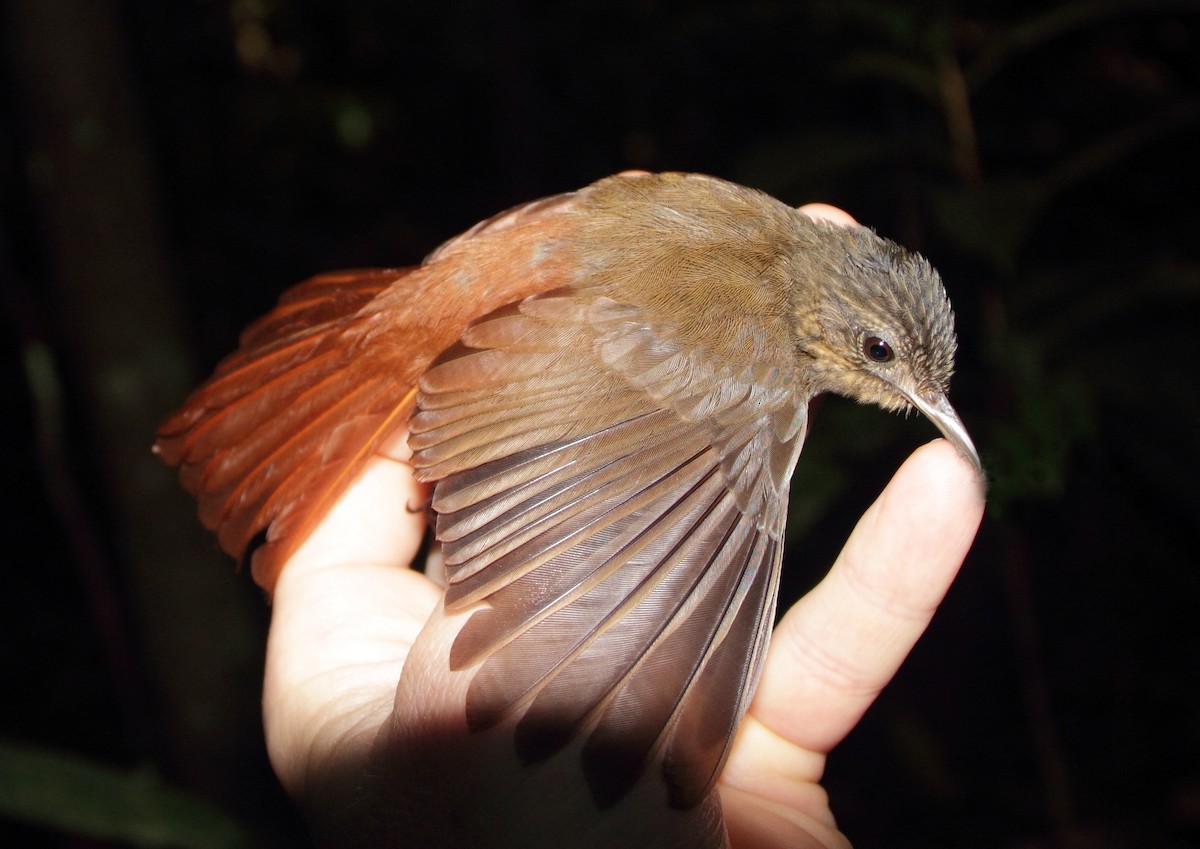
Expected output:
(135, 808)
(1043, 157)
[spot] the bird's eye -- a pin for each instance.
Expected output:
(878, 350)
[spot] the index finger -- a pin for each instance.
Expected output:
(840, 644)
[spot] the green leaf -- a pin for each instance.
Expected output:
(75, 795)
(1028, 454)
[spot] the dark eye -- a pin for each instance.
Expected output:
(878, 350)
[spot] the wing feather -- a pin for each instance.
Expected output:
(613, 499)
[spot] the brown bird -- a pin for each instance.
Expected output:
(610, 389)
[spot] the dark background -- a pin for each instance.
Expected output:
(167, 168)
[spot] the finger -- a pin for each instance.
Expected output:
(345, 614)
(830, 214)
(839, 645)
(770, 794)
(377, 520)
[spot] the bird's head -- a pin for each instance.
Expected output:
(879, 328)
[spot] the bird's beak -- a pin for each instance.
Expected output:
(937, 408)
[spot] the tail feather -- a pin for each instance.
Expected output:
(275, 445)
(288, 420)
(317, 385)
(319, 301)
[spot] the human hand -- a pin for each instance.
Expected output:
(348, 612)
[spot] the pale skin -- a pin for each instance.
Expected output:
(348, 608)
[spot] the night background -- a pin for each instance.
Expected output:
(166, 169)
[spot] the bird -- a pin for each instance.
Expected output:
(608, 390)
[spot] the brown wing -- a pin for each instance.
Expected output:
(271, 440)
(618, 502)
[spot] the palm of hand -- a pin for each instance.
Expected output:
(347, 612)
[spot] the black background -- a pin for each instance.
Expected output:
(167, 168)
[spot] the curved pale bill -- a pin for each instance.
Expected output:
(937, 408)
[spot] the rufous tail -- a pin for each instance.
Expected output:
(287, 421)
